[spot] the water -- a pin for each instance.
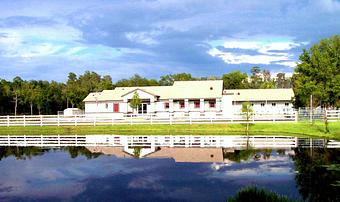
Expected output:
(164, 168)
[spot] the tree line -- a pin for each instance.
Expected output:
(317, 74)
(43, 97)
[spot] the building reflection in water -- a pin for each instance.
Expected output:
(213, 149)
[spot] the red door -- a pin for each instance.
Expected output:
(116, 107)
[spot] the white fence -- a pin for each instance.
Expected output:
(318, 114)
(165, 141)
(78, 120)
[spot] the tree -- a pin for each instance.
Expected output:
(169, 79)
(5, 97)
(136, 80)
(183, 77)
(318, 73)
(255, 78)
(29, 94)
(235, 80)
(267, 82)
(16, 89)
(135, 101)
(247, 112)
(166, 80)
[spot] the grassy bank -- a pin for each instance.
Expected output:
(301, 129)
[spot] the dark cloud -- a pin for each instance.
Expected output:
(159, 37)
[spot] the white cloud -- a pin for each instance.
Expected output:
(143, 37)
(235, 58)
(291, 64)
(268, 51)
(60, 41)
(329, 5)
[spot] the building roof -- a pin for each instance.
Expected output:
(260, 94)
(179, 90)
(116, 151)
(180, 154)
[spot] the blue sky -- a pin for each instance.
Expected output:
(48, 39)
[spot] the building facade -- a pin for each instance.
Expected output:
(187, 98)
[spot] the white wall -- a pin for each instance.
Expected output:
(229, 107)
(142, 95)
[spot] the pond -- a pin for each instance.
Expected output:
(165, 168)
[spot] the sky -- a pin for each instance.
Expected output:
(45, 40)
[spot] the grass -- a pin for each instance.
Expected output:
(300, 129)
(254, 194)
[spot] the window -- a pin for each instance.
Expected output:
(212, 103)
(262, 104)
(286, 104)
(181, 104)
(273, 104)
(197, 104)
(106, 105)
(166, 105)
(115, 107)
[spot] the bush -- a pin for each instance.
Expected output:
(254, 194)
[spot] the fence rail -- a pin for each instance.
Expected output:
(78, 120)
(186, 141)
(319, 114)
(132, 119)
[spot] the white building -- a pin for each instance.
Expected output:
(192, 98)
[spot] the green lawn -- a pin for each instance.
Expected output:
(290, 129)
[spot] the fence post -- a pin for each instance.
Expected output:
(273, 117)
(211, 119)
(75, 120)
(94, 120)
(190, 120)
(296, 116)
(170, 119)
(24, 120)
(7, 120)
(58, 120)
(112, 120)
(151, 119)
(41, 121)
(130, 119)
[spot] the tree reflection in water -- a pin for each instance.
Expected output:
(24, 153)
(315, 181)
(247, 154)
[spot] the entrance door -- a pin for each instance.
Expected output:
(142, 108)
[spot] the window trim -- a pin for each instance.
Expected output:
(197, 104)
(181, 104)
(212, 103)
